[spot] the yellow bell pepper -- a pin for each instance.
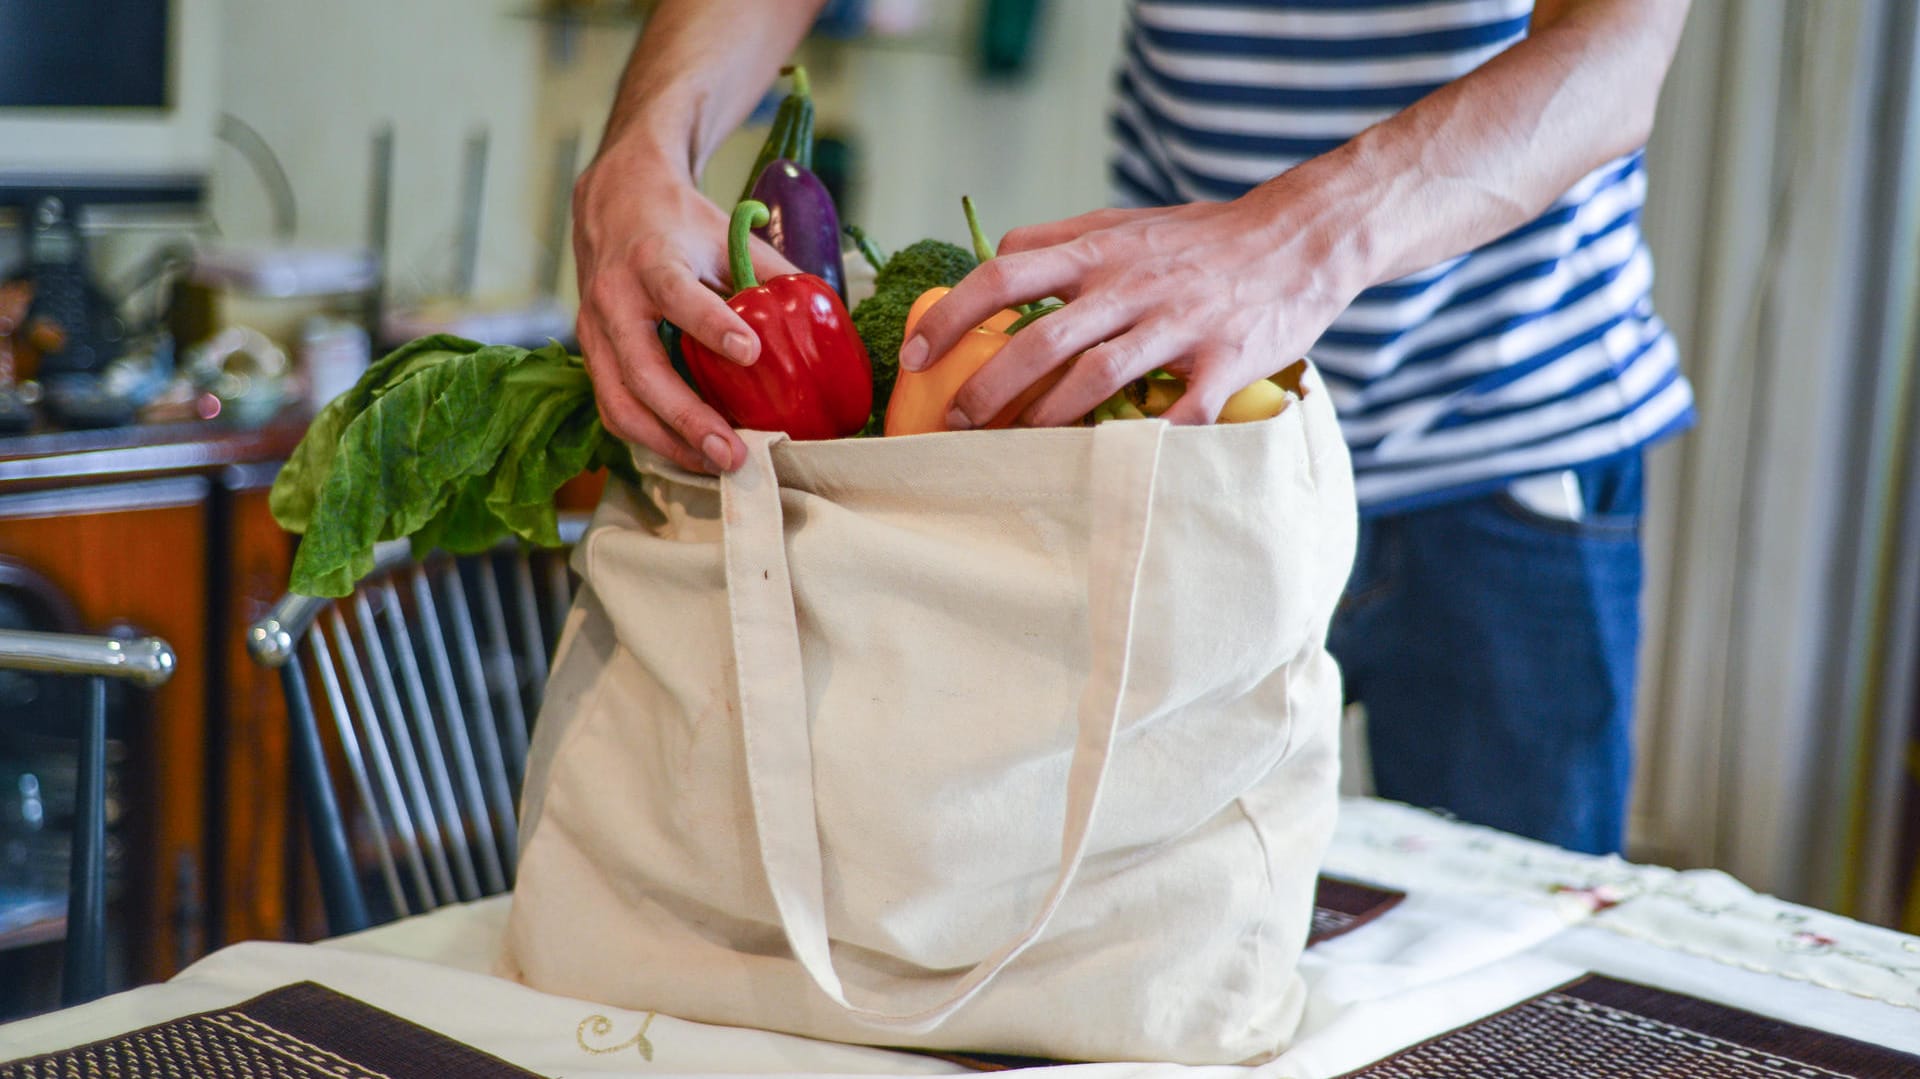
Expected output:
(921, 399)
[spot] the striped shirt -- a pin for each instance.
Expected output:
(1536, 352)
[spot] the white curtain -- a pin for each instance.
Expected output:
(1781, 215)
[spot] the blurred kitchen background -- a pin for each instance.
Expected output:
(224, 207)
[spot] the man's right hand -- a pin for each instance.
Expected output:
(649, 246)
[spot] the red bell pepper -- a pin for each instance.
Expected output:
(812, 379)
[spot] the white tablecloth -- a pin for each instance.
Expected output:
(1489, 921)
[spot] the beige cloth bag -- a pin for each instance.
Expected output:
(1019, 741)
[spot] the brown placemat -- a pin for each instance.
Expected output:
(301, 1031)
(991, 1062)
(1601, 1028)
(1342, 906)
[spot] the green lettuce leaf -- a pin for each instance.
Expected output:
(298, 486)
(448, 443)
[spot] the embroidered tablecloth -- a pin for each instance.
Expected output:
(1489, 922)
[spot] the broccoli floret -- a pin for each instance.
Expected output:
(924, 264)
(881, 318)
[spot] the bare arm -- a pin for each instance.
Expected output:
(1219, 291)
(1487, 153)
(696, 73)
(647, 244)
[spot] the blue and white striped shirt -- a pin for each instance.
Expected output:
(1535, 352)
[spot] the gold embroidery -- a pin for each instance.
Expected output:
(602, 1026)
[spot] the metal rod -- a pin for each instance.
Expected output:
(339, 885)
(395, 732)
(147, 661)
(486, 732)
(505, 670)
(357, 765)
(85, 975)
(403, 830)
(566, 157)
(529, 611)
(454, 722)
(272, 638)
(379, 217)
(449, 819)
(473, 191)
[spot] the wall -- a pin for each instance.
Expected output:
(316, 80)
(929, 130)
(1027, 151)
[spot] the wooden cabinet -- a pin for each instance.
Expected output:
(166, 529)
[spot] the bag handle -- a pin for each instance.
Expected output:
(773, 717)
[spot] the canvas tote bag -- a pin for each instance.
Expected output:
(1017, 741)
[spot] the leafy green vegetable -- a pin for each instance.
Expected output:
(298, 486)
(881, 319)
(455, 445)
(447, 442)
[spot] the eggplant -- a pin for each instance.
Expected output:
(801, 221)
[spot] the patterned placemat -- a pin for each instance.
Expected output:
(301, 1031)
(1600, 1028)
(1342, 906)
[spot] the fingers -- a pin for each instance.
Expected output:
(1030, 237)
(698, 312)
(1206, 393)
(1101, 370)
(1002, 282)
(693, 420)
(1037, 349)
(622, 413)
(647, 374)
(630, 388)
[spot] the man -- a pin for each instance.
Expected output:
(1438, 201)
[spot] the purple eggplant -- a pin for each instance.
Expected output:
(801, 221)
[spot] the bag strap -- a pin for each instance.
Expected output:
(773, 713)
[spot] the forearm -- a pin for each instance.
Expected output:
(696, 73)
(1490, 151)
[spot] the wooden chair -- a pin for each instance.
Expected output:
(431, 674)
(147, 661)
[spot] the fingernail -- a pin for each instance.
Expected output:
(738, 347)
(717, 451)
(913, 355)
(958, 421)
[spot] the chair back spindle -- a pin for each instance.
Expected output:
(430, 672)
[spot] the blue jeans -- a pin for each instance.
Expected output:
(1493, 647)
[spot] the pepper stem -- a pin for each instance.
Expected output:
(747, 216)
(801, 87)
(982, 247)
(1031, 314)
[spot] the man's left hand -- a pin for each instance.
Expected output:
(1220, 294)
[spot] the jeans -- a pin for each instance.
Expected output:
(1493, 647)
